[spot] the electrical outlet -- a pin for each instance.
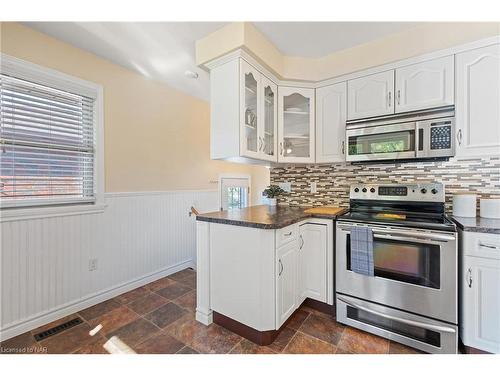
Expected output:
(313, 187)
(287, 186)
(93, 264)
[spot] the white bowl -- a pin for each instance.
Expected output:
(464, 205)
(490, 208)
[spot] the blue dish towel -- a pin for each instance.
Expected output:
(362, 251)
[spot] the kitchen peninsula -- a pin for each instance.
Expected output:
(257, 265)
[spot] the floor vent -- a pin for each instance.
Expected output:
(57, 329)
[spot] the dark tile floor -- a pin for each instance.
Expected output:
(159, 318)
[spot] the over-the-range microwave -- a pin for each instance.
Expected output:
(416, 136)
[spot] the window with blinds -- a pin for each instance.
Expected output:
(47, 145)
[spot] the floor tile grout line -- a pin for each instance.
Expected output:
(234, 346)
(289, 341)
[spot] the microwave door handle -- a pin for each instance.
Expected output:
(431, 327)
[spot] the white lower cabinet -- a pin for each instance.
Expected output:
(312, 257)
(304, 267)
(480, 293)
(286, 281)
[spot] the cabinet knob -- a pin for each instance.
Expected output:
(281, 267)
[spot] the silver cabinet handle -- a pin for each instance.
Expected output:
(288, 234)
(343, 147)
(489, 246)
(389, 98)
(301, 242)
(281, 148)
(469, 277)
(260, 143)
(281, 267)
(459, 137)
(402, 320)
(399, 96)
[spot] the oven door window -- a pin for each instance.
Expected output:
(399, 141)
(410, 262)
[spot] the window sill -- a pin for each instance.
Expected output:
(17, 214)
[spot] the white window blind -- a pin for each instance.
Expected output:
(47, 145)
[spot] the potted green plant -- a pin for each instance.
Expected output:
(271, 193)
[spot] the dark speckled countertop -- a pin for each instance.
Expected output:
(264, 216)
(477, 224)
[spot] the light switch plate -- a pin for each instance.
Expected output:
(287, 186)
(313, 187)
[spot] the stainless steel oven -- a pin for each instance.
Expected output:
(412, 295)
(418, 136)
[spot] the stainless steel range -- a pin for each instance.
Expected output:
(412, 296)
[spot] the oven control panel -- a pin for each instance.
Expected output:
(430, 192)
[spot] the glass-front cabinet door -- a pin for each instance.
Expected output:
(269, 123)
(250, 92)
(296, 125)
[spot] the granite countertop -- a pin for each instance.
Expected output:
(263, 216)
(477, 224)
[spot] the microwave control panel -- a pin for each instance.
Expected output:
(441, 136)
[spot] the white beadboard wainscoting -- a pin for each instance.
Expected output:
(139, 238)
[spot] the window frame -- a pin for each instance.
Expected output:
(235, 176)
(45, 76)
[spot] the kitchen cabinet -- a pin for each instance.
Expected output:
(313, 262)
(477, 97)
(286, 281)
(296, 125)
(268, 131)
(243, 113)
(370, 96)
(424, 85)
(259, 277)
(480, 291)
(331, 113)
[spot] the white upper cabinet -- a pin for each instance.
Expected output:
(296, 125)
(244, 109)
(477, 102)
(268, 131)
(250, 120)
(425, 85)
(371, 96)
(331, 108)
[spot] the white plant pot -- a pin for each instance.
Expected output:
(272, 201)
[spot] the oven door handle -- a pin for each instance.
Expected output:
(408, 235)
(422, 239)
(416, 235)
(401, 320)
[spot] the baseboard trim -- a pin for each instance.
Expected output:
(264, 338)
(75, 306)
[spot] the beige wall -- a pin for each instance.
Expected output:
(156, 137)
(421, 39)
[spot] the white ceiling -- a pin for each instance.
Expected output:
(162, 51)
(165, 50)
(318, 39)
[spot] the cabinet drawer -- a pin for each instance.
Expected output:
(286, 234)
(484, 245)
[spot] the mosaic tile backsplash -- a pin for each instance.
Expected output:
(479, 176)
